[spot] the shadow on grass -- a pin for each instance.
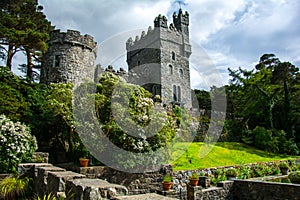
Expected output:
(251, 150)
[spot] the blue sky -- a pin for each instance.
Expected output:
(231, 33)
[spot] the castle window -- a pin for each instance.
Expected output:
(170, 69)
(173, 55)
(178, 94)
(56, 62)
(174, 93)
(181, 72)
(156, 90)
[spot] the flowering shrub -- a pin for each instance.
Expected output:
(16, 144)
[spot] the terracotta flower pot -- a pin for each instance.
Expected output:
(167, 185)
(193, 182)
(84, 162)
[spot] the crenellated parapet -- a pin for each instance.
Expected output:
(162, 30)
(74, 38)
(180, 19)
(151, 33)
(69, 58)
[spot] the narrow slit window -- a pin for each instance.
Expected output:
(174, 93)
(181, 72)
(179, 94)
(173, 55)
(170, 69)
(56, 60)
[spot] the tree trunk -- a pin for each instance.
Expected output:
(10, 54)
(287, 110)
(71, 148)
(29, 66)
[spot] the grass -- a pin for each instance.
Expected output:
(221, 154)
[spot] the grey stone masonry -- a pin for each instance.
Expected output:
(93, 189)
(223, 191)
(159, 60)
(31, 169)
(42, 176)
(70, 58)
(150, 196)
(56, 181)
(253, 189)
(42, 157)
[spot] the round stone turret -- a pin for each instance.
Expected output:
(70, 58)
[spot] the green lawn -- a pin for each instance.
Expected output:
(222, 154)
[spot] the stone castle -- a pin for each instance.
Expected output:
(157, 60)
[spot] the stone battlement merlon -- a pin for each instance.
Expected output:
(184, 18)
(151, 34)
(73, 37)
(180, 21)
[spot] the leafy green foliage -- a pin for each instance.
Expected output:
(194, 175)
(15, 188)
(16, 144)
(231, 172)
(294, 177)
(132, 111)
(23, 28)
(264, 105)
(167, 178)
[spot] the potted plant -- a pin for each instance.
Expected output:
(284, 168)
(194, 178)
(231, 174)
(167, 182)
(83, 160)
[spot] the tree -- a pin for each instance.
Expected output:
(267, 97)
(23, 28)
(203, 98)
(59, 100)
(285, 76)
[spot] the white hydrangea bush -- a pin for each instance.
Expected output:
(16, 144)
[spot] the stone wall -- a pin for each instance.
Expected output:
(59, 182)
(42, 157)
(252, 190)
(223, 191)
(151, 181)
(136, 183)
(104, 182)
(71, 185)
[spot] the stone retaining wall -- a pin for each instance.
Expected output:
(150, 182)
(223, 191)
(252, 190)
(108, 182)
(55, 180)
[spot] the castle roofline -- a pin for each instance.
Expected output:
(73, 37)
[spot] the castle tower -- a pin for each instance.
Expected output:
(70, 58)
(159, 60)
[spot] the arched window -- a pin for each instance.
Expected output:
(173, 55)
(174, 93)
(170, 69)
(181, 72)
